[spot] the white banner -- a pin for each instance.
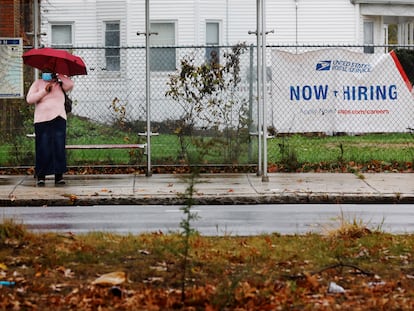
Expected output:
(336, 90)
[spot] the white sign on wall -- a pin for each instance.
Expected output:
(335, 90)
(11, 68)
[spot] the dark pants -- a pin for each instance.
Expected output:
(50, 147)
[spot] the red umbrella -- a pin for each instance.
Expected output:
(60, 61)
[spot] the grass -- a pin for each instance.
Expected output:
(362, 149)
(265, 272)
(289, 153)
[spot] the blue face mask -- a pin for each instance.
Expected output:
(47, 76)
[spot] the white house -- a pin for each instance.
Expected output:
(225, 22)
(114, 72)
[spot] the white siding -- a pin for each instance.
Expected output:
(106, 11)
(135, 22)
(80, 13)
(182, 12)
(87, 17)
(318, 21)
(313, 21)
(242, 19)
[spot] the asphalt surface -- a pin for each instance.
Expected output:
(217, 189)
(214, 220)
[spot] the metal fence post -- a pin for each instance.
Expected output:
(147, 84)
(251, 56)
(259, 83)
(265, 177)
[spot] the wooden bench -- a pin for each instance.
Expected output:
(102, 146)
(108, 146)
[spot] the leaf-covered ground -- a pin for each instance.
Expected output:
(348, 268)
(372, 166)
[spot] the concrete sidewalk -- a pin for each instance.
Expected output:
(282, 188)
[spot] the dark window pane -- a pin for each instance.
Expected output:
(213, 55)
(162, 59)
(112, 39)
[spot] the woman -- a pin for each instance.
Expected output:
(50, 125)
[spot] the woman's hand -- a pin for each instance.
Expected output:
(49, 87)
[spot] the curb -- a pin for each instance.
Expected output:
(73, 200)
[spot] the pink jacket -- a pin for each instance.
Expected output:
(48, 106)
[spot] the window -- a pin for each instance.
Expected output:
(368, 36)
(62, 36)
(112, 43)
(406, 33)
(212, 42)
(162, 55)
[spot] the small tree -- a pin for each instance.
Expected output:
(207, 94)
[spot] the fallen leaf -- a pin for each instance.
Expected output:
(312, 280)
(161, 266)
(144, 252)
(66, 272)
(154, 279)
(113, 278)
(58, 287)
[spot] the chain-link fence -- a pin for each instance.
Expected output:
(118, 98)
(109, 97)
(363, 93)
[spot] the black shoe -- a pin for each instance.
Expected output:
(59, 180)
(40, 182)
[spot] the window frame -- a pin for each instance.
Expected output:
(163, 59)
(115, 49)
(62, 24)
(371, 39)
(212, 47)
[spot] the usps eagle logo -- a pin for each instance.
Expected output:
(324, 65)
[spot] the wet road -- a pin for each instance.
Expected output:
(214, 220)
